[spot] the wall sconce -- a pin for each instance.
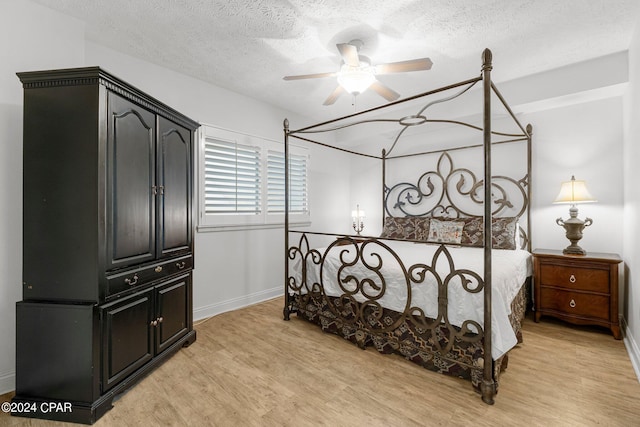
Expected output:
(358, 217)
(574, 192)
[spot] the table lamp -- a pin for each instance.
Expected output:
(574, 192)
(358, 220)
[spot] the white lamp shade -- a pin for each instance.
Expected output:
(574, 191)
(357, 214)
(355, 80)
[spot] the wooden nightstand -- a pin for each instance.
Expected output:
(580, 289)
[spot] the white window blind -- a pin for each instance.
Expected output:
(241, 181)
(298, 192)
(232, 183)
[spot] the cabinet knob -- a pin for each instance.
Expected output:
(154, 323)
(131, 281)
(160, 319)
(572, 279)
(158, 269)
(572, 303)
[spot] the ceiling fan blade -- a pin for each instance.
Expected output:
(384, 91)
(334, 95)
(349, 54)
(309, 76)
(404, 66)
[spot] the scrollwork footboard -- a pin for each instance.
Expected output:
(351, 288)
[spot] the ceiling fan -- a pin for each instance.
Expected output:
(357, 73)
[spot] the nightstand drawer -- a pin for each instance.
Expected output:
(575, 303)
(572, 277)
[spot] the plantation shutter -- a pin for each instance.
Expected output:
(298, 191)
(232, 183)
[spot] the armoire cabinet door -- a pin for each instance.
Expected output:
(172, 301)
(127, 337)
(130, 183)
(174, 180)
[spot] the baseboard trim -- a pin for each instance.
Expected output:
(200, 313)
(7, 382)
(632, 348)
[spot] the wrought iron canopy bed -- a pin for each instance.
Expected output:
(429, 286)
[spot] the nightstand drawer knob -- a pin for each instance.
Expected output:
(572, 304)
(572, 279)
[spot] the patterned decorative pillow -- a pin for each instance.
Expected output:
(445, 231)
(473, 231)
(503, 233)
(399, 228)
(422, 227)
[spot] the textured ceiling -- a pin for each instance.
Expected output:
(247, 46)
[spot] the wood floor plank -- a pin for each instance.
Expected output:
(250, 368)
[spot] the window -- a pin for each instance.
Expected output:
(242, 180)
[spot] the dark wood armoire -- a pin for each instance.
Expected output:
(108, 241)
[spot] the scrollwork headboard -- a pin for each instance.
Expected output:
(453, 192)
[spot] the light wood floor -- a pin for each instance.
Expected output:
(251, 368)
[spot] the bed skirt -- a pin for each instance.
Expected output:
(465, 359)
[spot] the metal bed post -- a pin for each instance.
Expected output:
(529, 181)
(287, 303)
(384, 183)
(488, 385)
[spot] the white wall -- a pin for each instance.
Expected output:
(576, 113)
(31, 37)
(631, 251)
(584, 140)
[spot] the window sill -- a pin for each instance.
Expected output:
(218, 228)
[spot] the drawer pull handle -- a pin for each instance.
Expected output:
(180, 265)
(572, 279)
(133, 281)
(158, 269)
(572, 304)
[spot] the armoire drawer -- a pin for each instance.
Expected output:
(130, 279)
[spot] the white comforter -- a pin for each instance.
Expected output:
(510, 268)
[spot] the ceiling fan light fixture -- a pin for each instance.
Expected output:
(355, 80)
(356, 75)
